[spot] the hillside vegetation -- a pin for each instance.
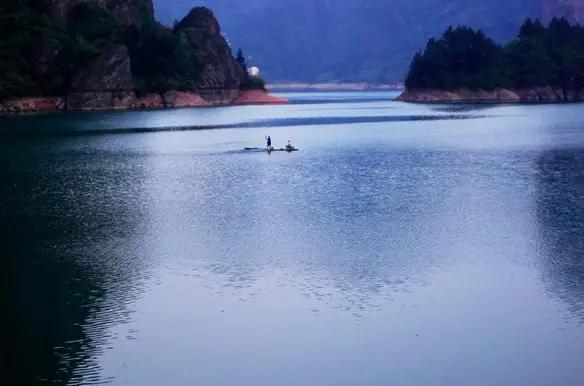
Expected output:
(44, 49)
(540, 56)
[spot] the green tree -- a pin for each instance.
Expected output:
(39, 55)
(531, 28)
(539, 56)
(462, 57)
(241, 60)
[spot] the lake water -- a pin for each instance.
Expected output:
(403, 245)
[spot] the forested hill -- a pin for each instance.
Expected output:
(104, 53)
(543, 63)
(356, 40)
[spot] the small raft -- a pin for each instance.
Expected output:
(264, 150)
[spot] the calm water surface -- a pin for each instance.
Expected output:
(404, 245)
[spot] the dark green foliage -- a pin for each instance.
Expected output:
(39, 55)
(248, 82)
(92, 23)
(26, 34)
(162, 59)
(241, 60)
(461, 58)
(253, 83)
(531, 28)
(539, 56)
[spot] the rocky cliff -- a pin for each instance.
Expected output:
(106, 83)
(221, 75)
(573, 10)
(112, 54)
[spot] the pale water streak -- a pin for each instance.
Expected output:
(404, 244)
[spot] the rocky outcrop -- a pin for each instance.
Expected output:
(220, 70)
(182, 99)
(462, 95)
(573, 10)
(32, 105)
(149, 101)
(110, 71)
(499, 95)
(106, 83)
(219, 96)
(122, 100)
(259, 97)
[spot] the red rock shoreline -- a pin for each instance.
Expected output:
(129, 101)
(259, 97)
(498, 95)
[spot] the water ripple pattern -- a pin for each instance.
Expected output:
(403, 244)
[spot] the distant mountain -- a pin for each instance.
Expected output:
(348, 40)
(573, 10)
(357, 40)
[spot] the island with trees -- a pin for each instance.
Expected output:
(542, 64)
(112, 54)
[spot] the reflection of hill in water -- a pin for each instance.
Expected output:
(67, 276)
(560, 214)
(349, 222)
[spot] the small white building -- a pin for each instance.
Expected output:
(253, 71)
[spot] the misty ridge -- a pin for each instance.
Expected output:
(354, 40)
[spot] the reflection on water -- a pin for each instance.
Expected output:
(386, 251)
(560, 213)
(71, 246)
(268, 123)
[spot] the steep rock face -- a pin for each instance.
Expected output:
(221, 71)
(105, 83)
(201, 19)
(573, 10)
(110, 71)
(126, 12)
(109, 81)
(182, 99)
